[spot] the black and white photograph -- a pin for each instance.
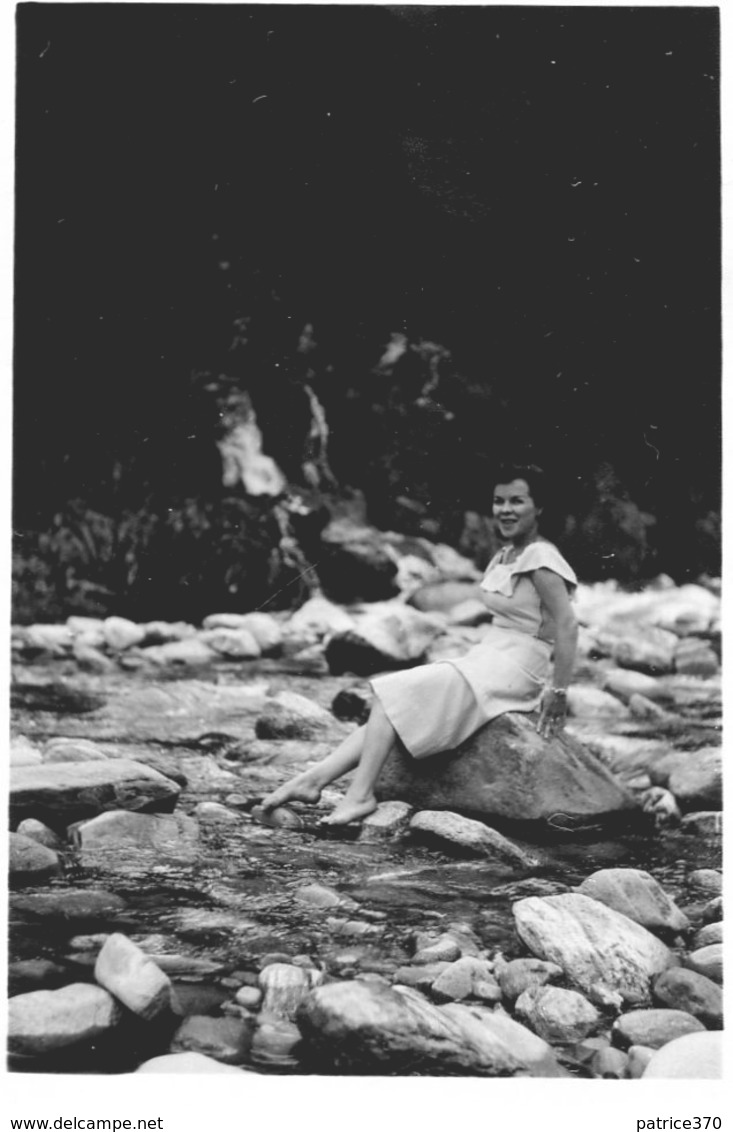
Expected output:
(364, 569)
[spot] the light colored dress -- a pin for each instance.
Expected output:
(435, 707)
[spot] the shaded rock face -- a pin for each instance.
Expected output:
(226, 1040)
(386, 637)
(638, 895)
(67, 792)
(520, 975)
(680, 989)
(47, 1020)
(506, 770)
(604, 953)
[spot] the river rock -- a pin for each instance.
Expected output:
(121, 832)
(193, 652)
(662, 805)
(186, 1063)
(710, 933)
(71, 907)
(605, 954)
(707, 961)
(388, 636)
(694, 777)
(369, 1026)
(291, 716)
(163, 632)
(24, 753)
(610, 1064)
(584, 700)
(68, 792)
(638, 1059)
(557, 1015)
(239, 644)
(695, 658)
(444, 949)
(653, 1028)
(318, 618)
(275, 1043)
(637, 895)
(519, 975)
(641, 707)
(696, 1056)
(35, 974)
(467, 977)
(354, 703)
(532, 1051)
(91, 659)
(421, 976)
(650, 650)
(712, 911)
(227, 1040)
(133, 977)
(29, 862)
(456, 832)
(390, 819)
(262, 626)
(249, 997)
(213, 813)
(47, 1020)
(54, 639)
(61, 750)
(320, 896)
(626, 682)
(120, 634)
(682, 989)
(703, 823)
(507, 770)
(284, 987)
(709, 880)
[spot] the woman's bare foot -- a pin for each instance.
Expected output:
(351, 810)
(302, 788)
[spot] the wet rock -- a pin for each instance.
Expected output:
(133, 977)
(91, 659)
(713, 910)
(249, 997)
(318, 618)
(189, 998)
(653, 1028)
(709, 880)
(458, 833)
(291, 716)
(662, 805)
(121, 634)
(213, 813)
(319, 896)
(507, 770)
(388, 636)
(711, 933)
(354, 703)
(280, 752)
(625, 683)
(186, 1063)
(68, 792)
(638, 1059)
(60, 750)
(520, 975)
(120, 832)
(390, 819)
(611, 1064)
(188, 967)
(707, 961)
(445, 949)
(694, 777)
(282, 817)
(557, 1015)
(35, 974)
(47, 1020)
(239, 644)
(681, 989)
(193, 652)
(284, 987)
(636, 894)
(421, 976)
(605, 954)
(369, 1026)
(695, 658)
(695, 1056)
(650, 650)
(71, 907)
(163, 632)
(584, 700)
(276, 1042)
(262, 626)
(467, 977)
(703, 823)
(227, 1040)
(29, 862)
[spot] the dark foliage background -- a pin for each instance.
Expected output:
(529, 195)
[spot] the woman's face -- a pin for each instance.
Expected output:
(515, 512)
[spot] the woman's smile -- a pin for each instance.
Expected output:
(515, 512)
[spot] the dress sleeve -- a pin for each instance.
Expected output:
(539, 555)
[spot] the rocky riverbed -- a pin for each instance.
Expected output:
(572, 928)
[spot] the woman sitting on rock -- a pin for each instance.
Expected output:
(524, 662)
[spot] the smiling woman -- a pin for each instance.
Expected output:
(524, 661)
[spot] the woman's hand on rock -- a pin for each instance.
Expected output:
(553, 711)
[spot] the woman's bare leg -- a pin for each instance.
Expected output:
(307, 787)
(360, 800)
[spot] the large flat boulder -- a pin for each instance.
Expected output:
(62, 793)
(506, 770)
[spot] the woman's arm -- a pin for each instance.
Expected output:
(554, 597)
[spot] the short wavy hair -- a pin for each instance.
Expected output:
(534, 477)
